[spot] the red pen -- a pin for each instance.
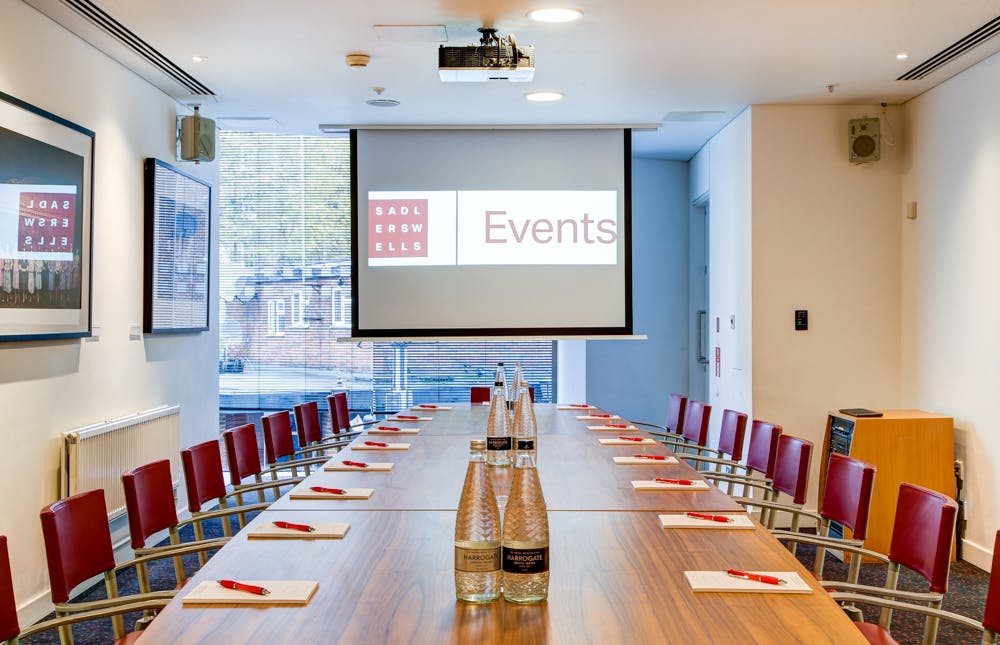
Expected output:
(714, 518)
(601, 416)
(390, 428)
(756, 577)
(357, 464)
(578, 405)
(377, 444)
(679, 482)
(624, 438)
(656, 457)
(407, 417)
(295, 527)
(332, 491)
(427, 406)
(615, 425)
(232, 584)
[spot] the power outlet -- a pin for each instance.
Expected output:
(135, 331)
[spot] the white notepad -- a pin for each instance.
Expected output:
(721, 581)
(649, 484)
(283, 592)
(431, 408)
(373, 467)
(578, 406)
(349, 493)
(635, 461)
(683, 521)
(324, 530)
(377, 430)
(360, 445)
(590, 417)
(625, 442)
(627, 428)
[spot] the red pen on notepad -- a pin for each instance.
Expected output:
(615, 425)
(714, 518)
(578, 405)
(390, 428)
(624, 438)
(232, 584)
(679, 482)
(357, 464)
(656, 457)
(756, 577)
(332, 491)
(377, 444)
(295, 527)
(407, 417)
(601, 416)
(427, 406)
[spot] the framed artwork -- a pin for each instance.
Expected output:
(46, 197)
(176, 259)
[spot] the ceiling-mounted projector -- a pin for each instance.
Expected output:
(495, 58)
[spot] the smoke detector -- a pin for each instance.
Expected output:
(379, 101)
(357, 59)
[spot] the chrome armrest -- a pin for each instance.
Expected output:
(882, 592)
(850, 597)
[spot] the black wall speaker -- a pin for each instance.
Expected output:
(197, 138)
(863, 140)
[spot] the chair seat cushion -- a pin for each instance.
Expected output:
(875, 634)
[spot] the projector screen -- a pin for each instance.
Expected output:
(491, 232)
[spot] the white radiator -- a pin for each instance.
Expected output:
(95, 456)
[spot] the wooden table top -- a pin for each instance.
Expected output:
(616, 575)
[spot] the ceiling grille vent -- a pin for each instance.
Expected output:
(953, 51)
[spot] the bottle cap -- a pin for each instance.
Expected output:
(500, 363)
(497, 383)
(477, 444)
(525, 444)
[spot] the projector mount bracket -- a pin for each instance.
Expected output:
(497, 51)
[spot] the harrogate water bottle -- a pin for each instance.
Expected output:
(525, 547)
(498, 440)
(477, 533)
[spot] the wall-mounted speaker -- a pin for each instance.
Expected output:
(863, 140)
(197, 136)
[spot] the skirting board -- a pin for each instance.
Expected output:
(977, 556)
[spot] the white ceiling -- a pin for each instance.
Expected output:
(624, 62)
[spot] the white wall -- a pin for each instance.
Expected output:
(635, 377)
(825, 239)
(52, 386)
(950, 264)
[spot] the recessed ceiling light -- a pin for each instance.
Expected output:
(544, 96)
(382, 102)
(199, 59)
(902, 56)
(555, 14)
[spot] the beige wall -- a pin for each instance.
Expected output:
(52, 386)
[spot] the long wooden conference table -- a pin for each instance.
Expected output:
(616, 576)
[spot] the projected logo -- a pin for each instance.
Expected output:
(397, 228)
(46, 222)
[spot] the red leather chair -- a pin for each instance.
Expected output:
(10, 630)
(695, 432)
(846, 500)
(761, 453)
(791, 476)
(77, 548)
(922, 534)
(483, 394)
(340, 416)
(205, 482)
(244, 461)
(279, 444)
(310, 430)
(676, 408)
(149, 501)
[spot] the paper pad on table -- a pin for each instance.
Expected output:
(635, 461)
(590, 417)
(436, 408)
(349, 493)
(283, 592)
(721, 581)
(324, 530)
(625, 442)
(582, 406)
(373, 467)
(683, 521)
(628, 428)
(388, 446)
(377, 430)
(649, 484)
(413, 420)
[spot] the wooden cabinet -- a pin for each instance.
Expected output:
(904, 446)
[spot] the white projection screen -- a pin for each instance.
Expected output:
(491, 232)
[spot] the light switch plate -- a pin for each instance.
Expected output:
(135, 331)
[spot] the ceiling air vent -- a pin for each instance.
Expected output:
(953, 51)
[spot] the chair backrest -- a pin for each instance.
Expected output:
(763, 446)
(307, 423)
(848, 494)
(77, 541)
(483, 393)
(340, 414)
(149, 500)
(203, 473)
(675, 413)
(242, 452)
(696, 422)
(791, 467)
(991, 615)
(734, 427)
(922, 533)
(278, 441)
(9, 627)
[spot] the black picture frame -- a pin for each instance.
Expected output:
(177, 250)
(46, 224)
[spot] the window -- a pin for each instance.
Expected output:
(340, 314)
(299, 303)
(275, 317)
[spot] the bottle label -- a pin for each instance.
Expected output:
(477, 560)
(498, 443)
(526, 560)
